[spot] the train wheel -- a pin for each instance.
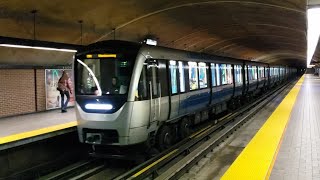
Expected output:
(165, 138)
(184, 128)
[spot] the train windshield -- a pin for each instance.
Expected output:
(108, 75)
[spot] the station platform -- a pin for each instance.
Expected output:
(287, 146)
(24, 129)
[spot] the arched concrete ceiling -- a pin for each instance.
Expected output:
(272, 31)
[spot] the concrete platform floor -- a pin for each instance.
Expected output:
(34, 121)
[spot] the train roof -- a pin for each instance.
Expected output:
(157, 52)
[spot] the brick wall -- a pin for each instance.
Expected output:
(17, 92)
(41, 90)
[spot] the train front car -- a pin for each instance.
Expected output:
(103, 76)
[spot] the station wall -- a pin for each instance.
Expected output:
(22, 91)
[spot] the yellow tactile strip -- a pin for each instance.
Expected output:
(24, 135)
(257, 158)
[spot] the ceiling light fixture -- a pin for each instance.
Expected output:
(37, 47)
(313, 32)
(36, 44)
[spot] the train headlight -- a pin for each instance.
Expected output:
(99, 106)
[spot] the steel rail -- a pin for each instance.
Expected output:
(80, 170)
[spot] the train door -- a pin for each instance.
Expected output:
(154, 89)
(183, 97)
(174, 89)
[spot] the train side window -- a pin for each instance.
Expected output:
(203, 81)
(254, 72)
(182, 77)
(229, 74)
(173, 75)
(223, 70)
(213, 74)
(260, 72)
(238, 74)
(218, 74)
(193, 75)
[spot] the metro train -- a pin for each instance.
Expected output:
(129, 93)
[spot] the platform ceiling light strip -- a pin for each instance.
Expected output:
(313, 32)
(37, 47)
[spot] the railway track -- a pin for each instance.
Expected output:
(90, 169)
(79, 170)
(174, 162)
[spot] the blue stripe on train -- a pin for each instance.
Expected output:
(200, 101)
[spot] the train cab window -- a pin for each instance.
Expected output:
(193, 75)
(181, 77)
(203, 81)
(238, 74)
(173, 75)
(218, 74)
(213, 74)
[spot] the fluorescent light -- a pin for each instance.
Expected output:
(37, 47)
(313, 32)
(99, 106)
(151, 42)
